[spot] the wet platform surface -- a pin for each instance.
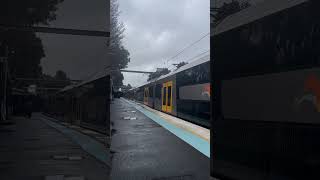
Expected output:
(144, 150)
(32, 149)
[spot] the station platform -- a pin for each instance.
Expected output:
(42, 149)
(197, 130)
(146, 146)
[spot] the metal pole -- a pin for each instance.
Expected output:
(4, 100)
(55, 30)
(2, 88)
(5, 82)
(135, 71)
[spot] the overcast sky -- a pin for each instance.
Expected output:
(78, 56)
(156, 30)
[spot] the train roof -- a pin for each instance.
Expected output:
(253, 13)
(187, 66)
(199, 61)
(97, 75)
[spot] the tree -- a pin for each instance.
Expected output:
(47, 77)
(61, 75)
(180, 64)
(228, 8)
(158, 73)
(129, 86)
(28, 12)
(25, 48)
(126, 87)
(119, 56)
(25, 53)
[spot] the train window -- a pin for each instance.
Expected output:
(199, 92)
(158, 91)
(169, 96)
(277, 43)
(150, 92)
(164, 96)
(195, 75)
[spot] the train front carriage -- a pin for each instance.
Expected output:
(139, 94)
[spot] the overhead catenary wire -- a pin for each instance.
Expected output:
(190, 59)
(198, 55)
(165, 63)
(190, 45)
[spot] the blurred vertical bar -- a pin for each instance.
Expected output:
(211, 89)
(108, 121)
(3, 82)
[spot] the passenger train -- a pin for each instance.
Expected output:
(184, 93)
(267, 92)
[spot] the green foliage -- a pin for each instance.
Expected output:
(179, 65)
(119, 56)
(25, 53)
(47, 77)
(25, 48)
(126, 87)
(61, 75)
(229, 8)
(28, 12)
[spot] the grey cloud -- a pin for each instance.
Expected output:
(156, 30)
(79, 56)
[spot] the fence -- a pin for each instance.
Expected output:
(86, 105)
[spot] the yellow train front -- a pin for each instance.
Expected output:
(184, 93)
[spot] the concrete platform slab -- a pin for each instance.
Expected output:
(27, 149)
(144, 150)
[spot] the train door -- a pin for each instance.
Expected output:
(146, 95)
(167, 96)
(164, 97)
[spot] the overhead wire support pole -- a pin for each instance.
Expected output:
(133, 71)
(48, 80)
(55, 30)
